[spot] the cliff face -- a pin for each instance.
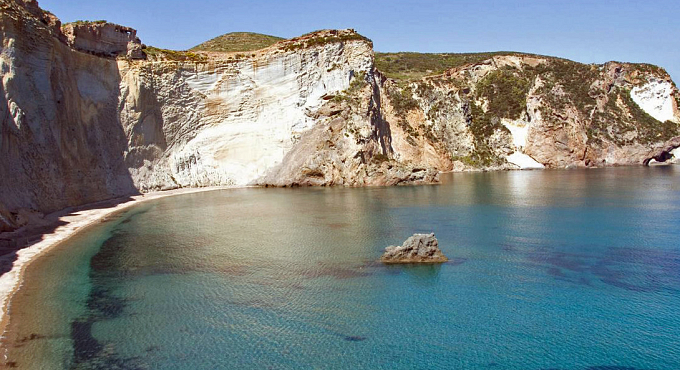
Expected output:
(103, 39)
(228, 121)
(61, 140)
(506, 112)
(533, 112)
(79, 127)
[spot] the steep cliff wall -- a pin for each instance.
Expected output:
(78, 128)
(61, 140)
(506, 112)
(229, 121)
(532, 112)
(314, 110)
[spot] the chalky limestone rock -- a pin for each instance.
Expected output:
(419, 248)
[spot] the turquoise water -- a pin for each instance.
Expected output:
(574, 269)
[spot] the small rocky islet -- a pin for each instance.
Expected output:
(418, 248)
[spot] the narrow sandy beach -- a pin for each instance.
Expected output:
(72, 223)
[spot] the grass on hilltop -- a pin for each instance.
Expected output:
(305, 41)
(238, 41)
(81, 22)
(173, 55)
(409, 65)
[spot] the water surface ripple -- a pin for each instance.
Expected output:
(574, 269)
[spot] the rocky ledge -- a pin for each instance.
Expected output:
(419, 248)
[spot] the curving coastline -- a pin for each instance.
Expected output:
(72, 222)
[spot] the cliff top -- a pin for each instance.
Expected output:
(238, 41)
(322, 37)
(231, 46)
(81, 22)
(238, 45)
(413, 65)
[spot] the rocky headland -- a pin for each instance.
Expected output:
(89, 113)
(418, 248)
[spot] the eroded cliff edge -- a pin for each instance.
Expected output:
(82, 122)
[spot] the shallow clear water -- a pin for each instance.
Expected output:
(575, 269)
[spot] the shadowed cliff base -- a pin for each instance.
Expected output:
(62, 142)
(12, 242)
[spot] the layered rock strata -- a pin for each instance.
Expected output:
(104, 39)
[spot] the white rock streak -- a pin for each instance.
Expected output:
(655, 98)
(676, 155)
(523, 161)
(519, 130)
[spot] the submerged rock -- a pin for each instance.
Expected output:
(419, 248)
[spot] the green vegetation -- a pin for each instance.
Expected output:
(349, 94)
(566, 88)
(238, 41)
(402, 99)
(173, 55)
(81, 22)
(408, 129)
(506, 91)
(407, 65)
(483, 125)
(650, 68)
(302, 42)
(575, 80)
(469, 160)
(616, 120)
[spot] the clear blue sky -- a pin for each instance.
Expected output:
(592, 31)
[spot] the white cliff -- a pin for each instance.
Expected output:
(229, 122)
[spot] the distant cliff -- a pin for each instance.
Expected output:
(89, 113)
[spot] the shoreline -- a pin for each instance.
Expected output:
(74, 221)
(77, 219)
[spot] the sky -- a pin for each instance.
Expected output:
(594, 31)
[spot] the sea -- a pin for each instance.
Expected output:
(554, 269)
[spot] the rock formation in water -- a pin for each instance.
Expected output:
(88, 113)
(419, 248)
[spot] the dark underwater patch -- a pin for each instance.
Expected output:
(605, 367)
(85, 346)
(633, 269)
(336, 272)
(103, 304)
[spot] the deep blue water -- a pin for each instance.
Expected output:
(573, 269)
